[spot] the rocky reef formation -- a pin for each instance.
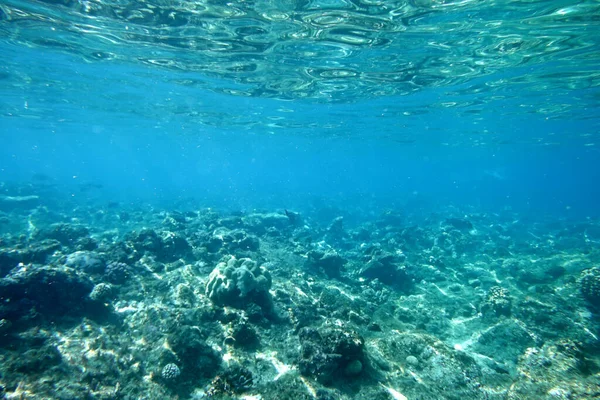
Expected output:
(239, 282)
(137, 302)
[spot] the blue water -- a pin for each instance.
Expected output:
(328, 199)
(83, 103)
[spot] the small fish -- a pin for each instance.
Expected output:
(86, 187)
(41, 177)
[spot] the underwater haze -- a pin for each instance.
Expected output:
(491, 105)
(280, 199)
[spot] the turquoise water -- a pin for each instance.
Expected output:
(294, 199)
(488, 104)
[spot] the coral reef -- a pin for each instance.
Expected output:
(330, 353)
(590, 286)
(129, 301)
(170, 372)
(35, 291)
(497, 301)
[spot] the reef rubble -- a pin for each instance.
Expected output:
(132, 302)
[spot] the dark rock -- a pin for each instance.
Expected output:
(245, 336)
(233, 241)
(5, 326)
(36, 360)
(540, 272)
(39, 251)
(374, 327)
(122, 252)
(327, 353)
(9, 203)
(504, 342)
(48, 291)
(294, 217)
(383, 266)
(263, 223)
(174, 247)
(233, 222)
(168, 248)
(214, 244)
(459, 223)
(330, 262)
(66, 234)
(117, 272)
(390, 219)
(174, 221)
(497, 301)
(590, 286)
(336, 228)
(8, 260)
(198, 359)
(235, 380)
(362, 234)
(303, 315)
(146, 240)
(336, 303)
(34, 253)
(86, 243)
(85, 261)
(249, 243)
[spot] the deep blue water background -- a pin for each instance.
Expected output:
(116, 125)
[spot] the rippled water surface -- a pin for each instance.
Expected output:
(540, 56)
(395, 81)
